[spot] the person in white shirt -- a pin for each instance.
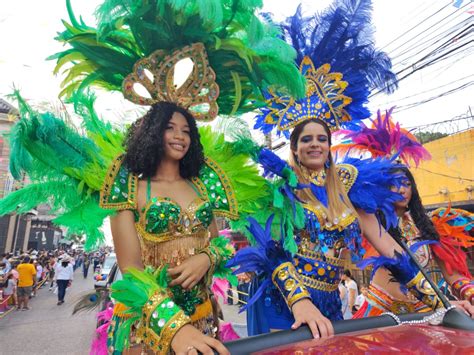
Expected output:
(8, 266)
(352, 289)
(361, 298)
(64, 275)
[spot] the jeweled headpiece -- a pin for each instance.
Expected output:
(336, 54)
(156, 74)
(324, 100)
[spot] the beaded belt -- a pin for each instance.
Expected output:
(318, 271)
(383, 300)
(317, 256)
(167, 236)
(202, 311)
(318, 285)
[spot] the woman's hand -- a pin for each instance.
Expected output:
(305, 311)
(189, 340)
(190, 272)
(464, 306)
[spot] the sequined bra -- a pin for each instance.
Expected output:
(163, 219)
(324, 234)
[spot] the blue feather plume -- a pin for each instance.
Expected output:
(262, 258)
(343, 37)
(402, 268)
(372, 193)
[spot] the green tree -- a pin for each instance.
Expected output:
(425, 137)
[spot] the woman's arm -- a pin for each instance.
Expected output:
(377, 235)
(126, 242)
(399, 264)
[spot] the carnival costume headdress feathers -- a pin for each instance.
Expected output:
(231, 48)
(383, 139)
(336, 55)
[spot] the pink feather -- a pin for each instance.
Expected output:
(385, 139)
(227, 332)
(219, 288)
(99, 343)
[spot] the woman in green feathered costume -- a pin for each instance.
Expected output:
(163, 184)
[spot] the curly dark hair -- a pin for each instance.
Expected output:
(417, 212)
(144, 142)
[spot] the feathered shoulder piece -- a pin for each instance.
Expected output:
(138, 43)
(384, 138)
(232, 181)
(455, 228)
(368, 184)
(119, 190)
(337, 56)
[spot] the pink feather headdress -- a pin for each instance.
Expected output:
(384, 139)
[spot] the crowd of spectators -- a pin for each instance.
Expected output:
(23, 273)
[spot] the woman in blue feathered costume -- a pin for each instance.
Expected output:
(298, 275)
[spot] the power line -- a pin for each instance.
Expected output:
(430, 42)
(437, 23)
(446, 93)
(418, 24)
(426, 91)
(420, 67)
(446, 175)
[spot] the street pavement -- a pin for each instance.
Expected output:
(48, 328)
(51, 329)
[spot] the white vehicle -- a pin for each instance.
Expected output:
(101, 277)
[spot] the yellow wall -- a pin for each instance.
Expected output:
(453, 156)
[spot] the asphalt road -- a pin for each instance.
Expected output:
(51, 329)
(48, 328)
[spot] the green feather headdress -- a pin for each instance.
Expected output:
(245, 52)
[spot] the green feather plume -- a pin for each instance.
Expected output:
(66, 169)
(245, 52)
(248, 185)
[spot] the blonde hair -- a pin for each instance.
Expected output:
(338, 201)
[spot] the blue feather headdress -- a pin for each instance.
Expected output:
(337, 56)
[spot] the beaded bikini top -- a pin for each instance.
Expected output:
(163, 219)
(324, 234)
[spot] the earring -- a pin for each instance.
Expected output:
(327, 164)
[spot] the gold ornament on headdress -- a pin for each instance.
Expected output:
(156, 72)
(324, 100)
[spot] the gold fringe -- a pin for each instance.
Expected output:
(172, 252)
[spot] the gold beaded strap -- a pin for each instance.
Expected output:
(286, 279)
(119, 188)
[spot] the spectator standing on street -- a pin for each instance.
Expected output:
(64, 275)
(51, 265)
(26, 282)
(352, 290)
(85, 266)
(4, 260)
(10, 289)
(361, 298)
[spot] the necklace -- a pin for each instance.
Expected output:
(316, 177)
